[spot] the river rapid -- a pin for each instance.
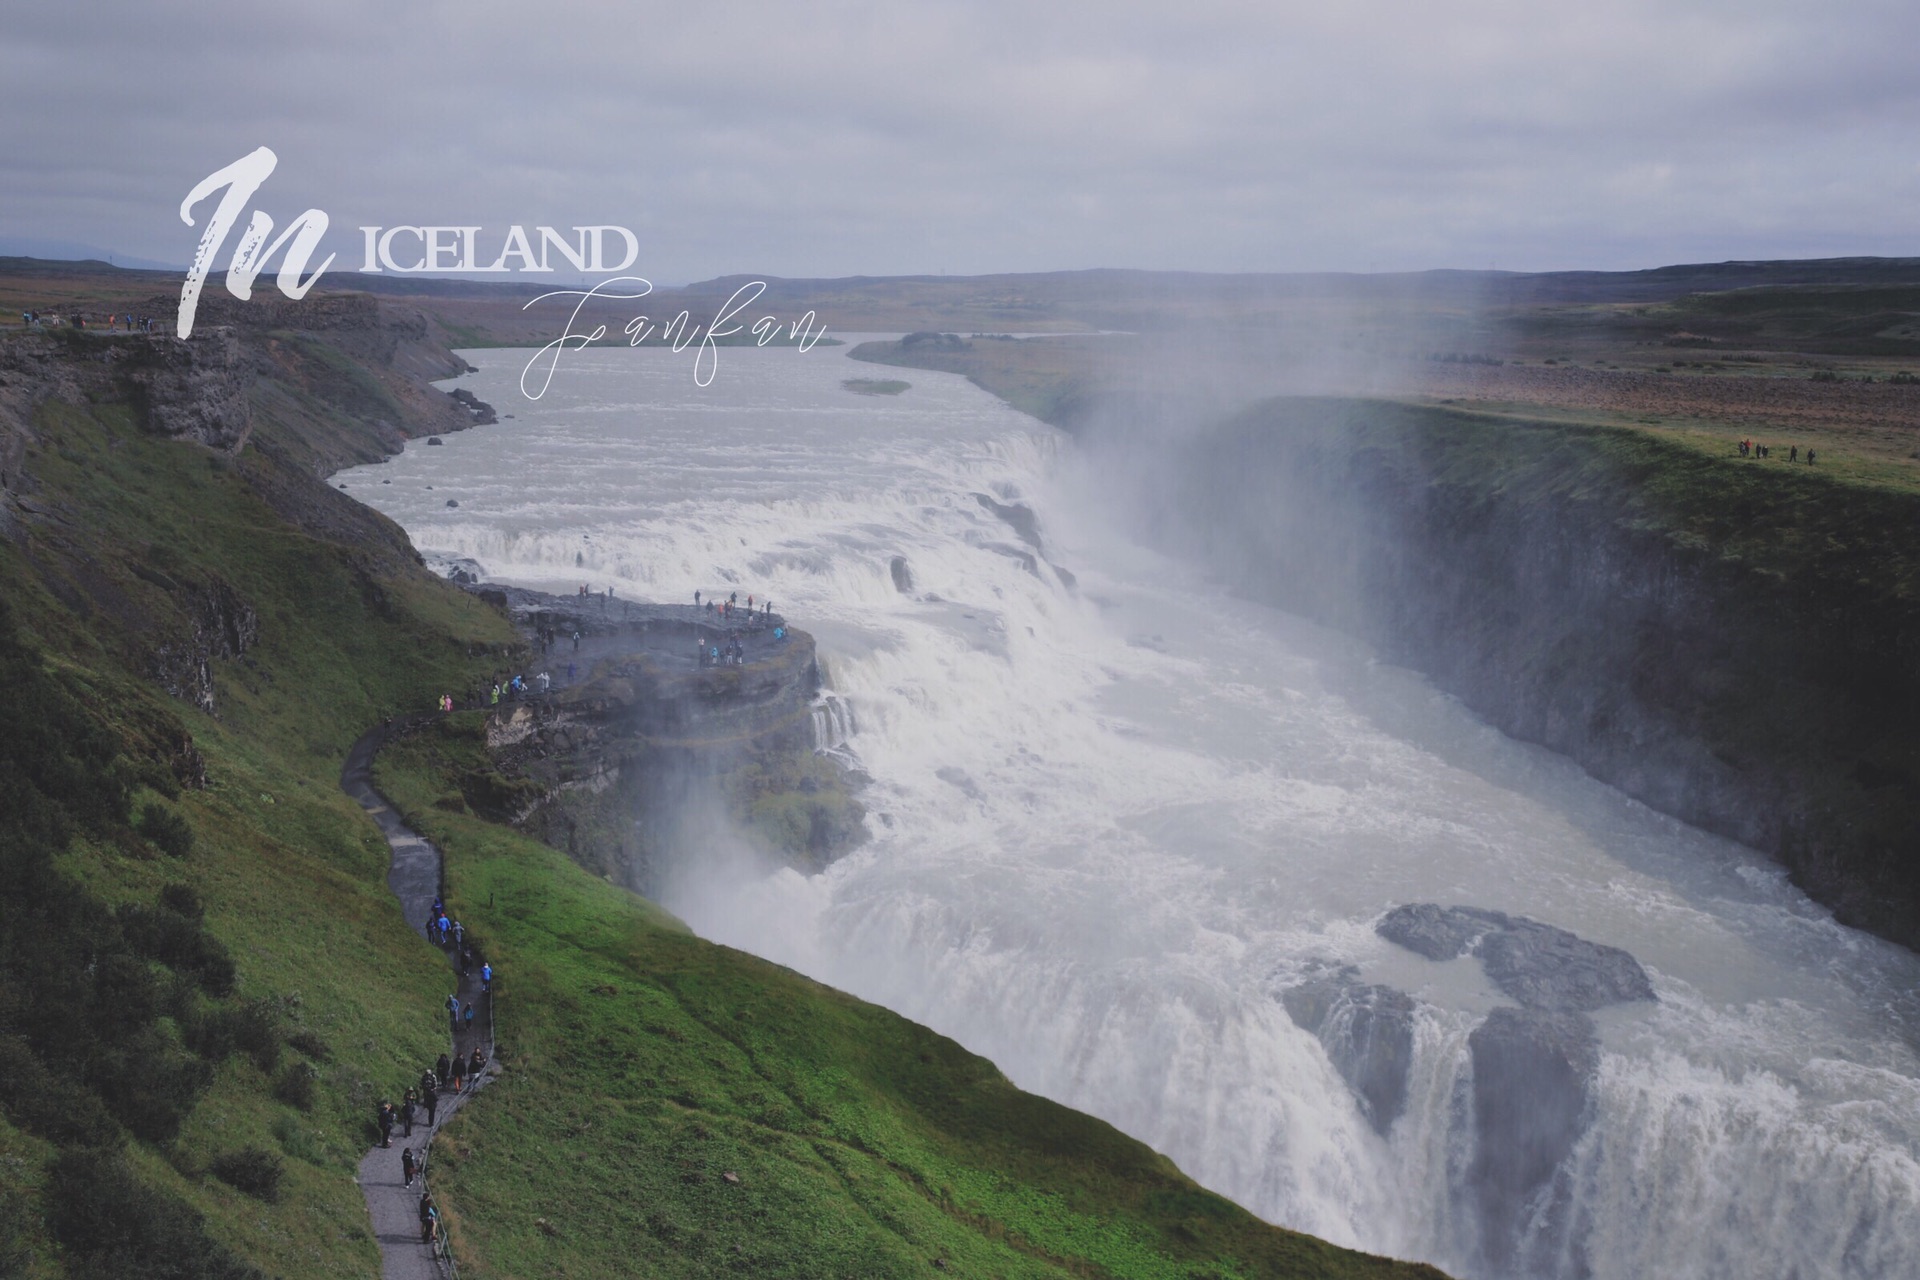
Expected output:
(1116, 811)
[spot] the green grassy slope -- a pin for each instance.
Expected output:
(676, 1108)
(109, 561)
(644, 1064)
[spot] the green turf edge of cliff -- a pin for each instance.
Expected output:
(643, 1066)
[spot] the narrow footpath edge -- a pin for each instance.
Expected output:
(414, 876)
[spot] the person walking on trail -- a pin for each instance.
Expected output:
(407, 1102)
(453, 1012)
(458, 1083)
(431, 1097)
(406, 1166)
(467, 1017)
(384, 1119)
(476, 1064)
(459, 933)
(441, 1068)
(428, 1217)
(486, 978)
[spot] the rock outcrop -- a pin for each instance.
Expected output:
(1367, 1030)
(222, 625)
(195, 390)
(1532, 1084)
(651, 753)
(1533, 1067)
(1541, 966)
(479, 410)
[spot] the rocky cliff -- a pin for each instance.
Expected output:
(1734, 644)
(268, 393)
(649, 754)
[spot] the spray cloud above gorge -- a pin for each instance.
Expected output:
(1385, 799)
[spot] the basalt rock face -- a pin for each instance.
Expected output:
(1735, 644)
(1532, 1099)
(1367, 1030)
(222, 625)
(650, 754)
(194, 390)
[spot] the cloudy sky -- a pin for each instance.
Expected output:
(836, 138)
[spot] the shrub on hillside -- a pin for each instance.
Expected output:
(58, 768)
(183, 900)
(254, 1171)
(179, 942)
(168, 830)
(148, 1082)
(109, 1223)
(309, 1043)
(252, 1028)
(295, 1087)
(53, 1106)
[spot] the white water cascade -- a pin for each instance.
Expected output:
(833, 723)
(1115, 814)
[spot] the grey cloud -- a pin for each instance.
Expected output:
(840, 138)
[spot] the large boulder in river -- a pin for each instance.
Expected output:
(1547, 968)
(1541, 966)
(1532, 1082)
(1436, 932)
(1368, 1034)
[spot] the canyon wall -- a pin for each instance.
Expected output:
(1735, 643)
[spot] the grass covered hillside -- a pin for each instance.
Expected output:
(204, 984)
(206, 987)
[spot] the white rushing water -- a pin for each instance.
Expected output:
(1112, 821)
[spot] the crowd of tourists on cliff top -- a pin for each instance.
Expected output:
(729, 648)
(731, 620)
(115, 321)
(452, 1075)
(1748, 449)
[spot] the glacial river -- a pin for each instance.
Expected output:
(1116, 813)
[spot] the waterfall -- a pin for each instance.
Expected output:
(833, 722)
(1118, 814)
